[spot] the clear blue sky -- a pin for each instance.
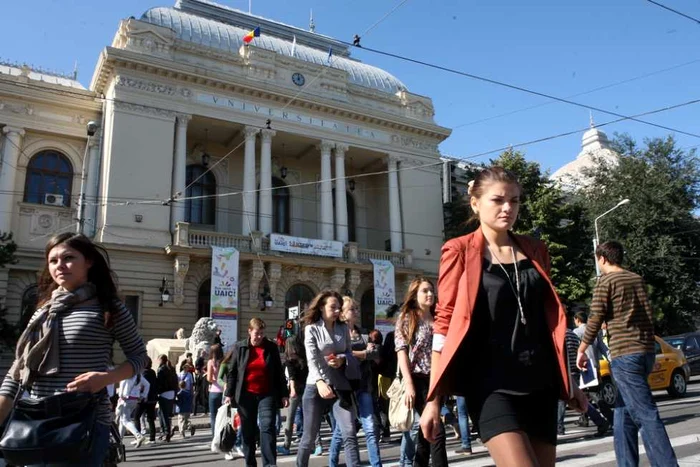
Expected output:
(557, 47)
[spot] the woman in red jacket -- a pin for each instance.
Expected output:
(499, 332)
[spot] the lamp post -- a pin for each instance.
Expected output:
(596, 240)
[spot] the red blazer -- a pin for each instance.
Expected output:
(458, 285)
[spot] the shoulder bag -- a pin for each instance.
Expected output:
(54, 429)
(400, 416)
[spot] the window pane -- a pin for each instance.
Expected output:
(132, 304)
(48, 172)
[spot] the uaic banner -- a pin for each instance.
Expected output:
(384, 294)
(224, 292)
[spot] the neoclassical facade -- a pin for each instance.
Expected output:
(200, 141)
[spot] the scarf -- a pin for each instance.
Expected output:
(37, 351)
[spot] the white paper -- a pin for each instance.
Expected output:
(589, 378)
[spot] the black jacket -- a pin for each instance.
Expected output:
(239, 363)
(150, 376)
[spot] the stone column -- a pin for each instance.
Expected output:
(394, 206)
(250, 211)
(177, 208)
(8, 172)
(92, 184)
(326, 219)
(341, 200)
(266, 182)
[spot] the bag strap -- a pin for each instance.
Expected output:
(398, 366)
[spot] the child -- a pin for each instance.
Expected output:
(183, 400)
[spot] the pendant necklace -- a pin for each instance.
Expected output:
(515, 290)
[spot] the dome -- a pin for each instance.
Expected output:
(222, 36)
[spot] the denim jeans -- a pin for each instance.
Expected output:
(408, 443)
(95, 456)
(366, 409)
(294, 404)
(463, 417)
(314, 406)
(636, 410)
(261, 411)
(164, 414)
(215, 399)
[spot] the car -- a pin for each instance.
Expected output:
(671, 372)
(689, 343)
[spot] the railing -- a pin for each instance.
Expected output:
(186, 237)
(364, 256)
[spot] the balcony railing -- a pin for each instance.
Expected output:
(257, 243)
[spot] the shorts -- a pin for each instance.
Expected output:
(534, 414)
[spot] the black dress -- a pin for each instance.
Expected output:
(511, 379)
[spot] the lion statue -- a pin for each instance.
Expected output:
(202, 337)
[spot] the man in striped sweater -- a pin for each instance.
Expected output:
(620, 299)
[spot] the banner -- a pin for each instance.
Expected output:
(384, 294)
(224, 292)
(306, 246)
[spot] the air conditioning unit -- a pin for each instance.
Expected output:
(53, 200)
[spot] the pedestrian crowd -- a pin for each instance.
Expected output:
(492, 342)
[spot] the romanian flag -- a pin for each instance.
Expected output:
(251, 35)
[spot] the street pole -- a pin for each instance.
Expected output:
(596, 240)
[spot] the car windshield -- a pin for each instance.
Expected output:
(676, 342)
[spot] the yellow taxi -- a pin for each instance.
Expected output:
(671, 372)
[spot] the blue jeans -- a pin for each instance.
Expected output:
(259, 411)
(366, 409)
(463, 417)
(314, 406)
(215, 399)
(408, 443)
(95, 457)
(636, 410)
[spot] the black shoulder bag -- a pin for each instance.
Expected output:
(54, 429)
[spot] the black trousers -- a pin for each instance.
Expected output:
(149, 408)
(424, 449)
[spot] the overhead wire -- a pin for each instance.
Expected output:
(661, 5)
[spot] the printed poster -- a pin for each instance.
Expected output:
(224, 292)
(384, 294)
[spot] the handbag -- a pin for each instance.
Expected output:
(383, 385)
(54, 429)
(400, 416)
(223, 419)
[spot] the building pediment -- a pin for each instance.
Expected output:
(138, 36)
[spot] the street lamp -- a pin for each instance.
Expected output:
(596, 240)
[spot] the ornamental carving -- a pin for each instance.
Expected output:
(148, 86)
(413, 143)
(180, 268)
(142, 109)
(255, 274)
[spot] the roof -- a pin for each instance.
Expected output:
(38, 75)
(219, 34)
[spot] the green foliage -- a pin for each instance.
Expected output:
(8, 332)
(658, 228)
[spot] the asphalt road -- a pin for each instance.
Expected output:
(577, 448)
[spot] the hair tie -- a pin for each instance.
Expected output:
(470, 187)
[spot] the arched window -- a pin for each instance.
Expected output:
(280, 207)
(350, 202)
(367, 310)
(298, 295)
(30, 300)
(204, 299)
(49, 173)
(200, 183)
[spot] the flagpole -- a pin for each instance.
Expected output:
(250, 7)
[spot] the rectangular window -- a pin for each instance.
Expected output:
(132, 303)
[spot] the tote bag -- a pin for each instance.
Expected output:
(400, 416)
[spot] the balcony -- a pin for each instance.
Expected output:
(256, 243)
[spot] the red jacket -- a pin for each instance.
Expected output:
(458, 285)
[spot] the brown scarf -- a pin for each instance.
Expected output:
(37, 351)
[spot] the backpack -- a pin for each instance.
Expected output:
(173, 380)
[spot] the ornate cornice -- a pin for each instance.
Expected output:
(145, 85)
(145, 110)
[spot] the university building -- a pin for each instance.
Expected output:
(199, 140)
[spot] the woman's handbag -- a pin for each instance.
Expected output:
(383, 385)
(54, 429)
(400, 416)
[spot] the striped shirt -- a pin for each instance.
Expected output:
(85, 345)
(572, 342)
(620, 299)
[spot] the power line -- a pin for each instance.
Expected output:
(522, 89)
(697, 21)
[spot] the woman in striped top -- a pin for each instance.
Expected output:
(78, 320)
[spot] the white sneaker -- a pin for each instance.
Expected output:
(133, 443)
(229, 456)
(140, 441)
(239, 451)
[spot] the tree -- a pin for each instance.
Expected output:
(658, 228)
(8, 332)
